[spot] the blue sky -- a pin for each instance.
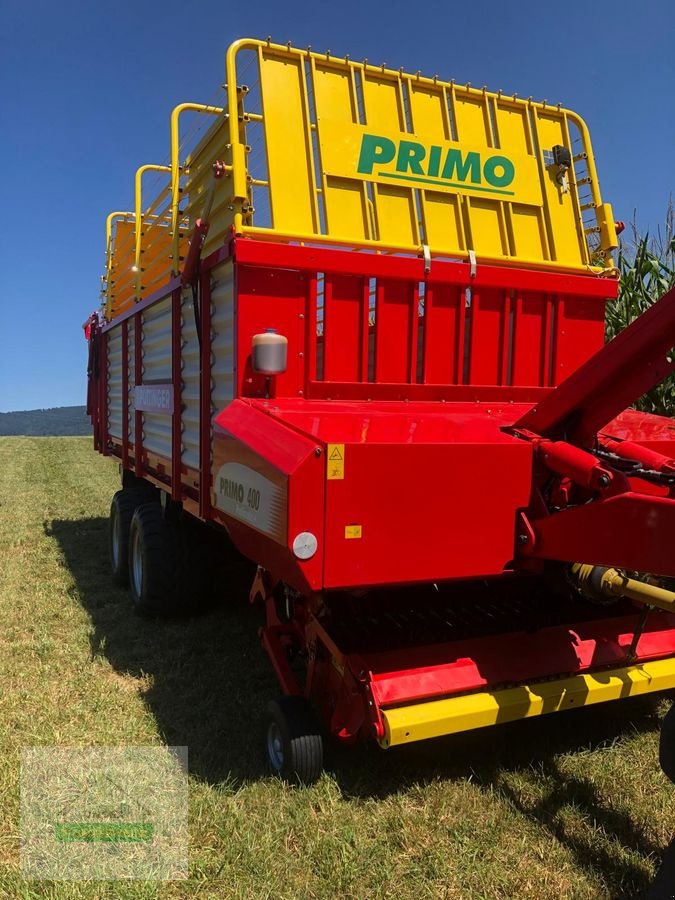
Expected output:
(86, 90)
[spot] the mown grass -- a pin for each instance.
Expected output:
(571, 806)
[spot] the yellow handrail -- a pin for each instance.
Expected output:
(237, 139)
(108, 225)
(176, 169)
(605, 221)
(138, 193)
(118, 214)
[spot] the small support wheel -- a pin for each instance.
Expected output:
(122, 509)
(294, 741)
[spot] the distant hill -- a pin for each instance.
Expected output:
(59, 421)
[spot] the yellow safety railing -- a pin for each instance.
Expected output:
(150, 254)
(176, 170)
(202, 189)
(144, 248)
(119, 229)
(376, 158)
(324, 149)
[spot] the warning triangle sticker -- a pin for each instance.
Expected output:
(335, 454)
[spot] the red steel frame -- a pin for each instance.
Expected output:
(176, 337)
(125, 394)
(205, 431)
(395, 346)
(348, 378)
(345, 271)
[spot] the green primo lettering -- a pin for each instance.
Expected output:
(410, 161)
(460, 169)
(499, 171)
(410, 156)
(374, 151)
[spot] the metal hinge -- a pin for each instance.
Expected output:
(426, 255)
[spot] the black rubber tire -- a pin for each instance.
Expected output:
(152, 562)
(122, 509)
(293, 740)
(667, 744)
(195, 555)
(178, 554)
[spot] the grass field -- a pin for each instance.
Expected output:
(570, 806)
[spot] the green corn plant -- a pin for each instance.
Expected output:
(646, 271)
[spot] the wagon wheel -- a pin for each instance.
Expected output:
(171, 562)
(122, 509)
(152, 561)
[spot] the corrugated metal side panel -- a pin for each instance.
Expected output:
(132, 379)
(189, 384)
(156, 351)
(115, 383)
(222, 338)
(156, 342)
(157, 434)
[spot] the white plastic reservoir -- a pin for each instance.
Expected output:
(270, 352)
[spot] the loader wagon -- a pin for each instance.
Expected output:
(353, 333)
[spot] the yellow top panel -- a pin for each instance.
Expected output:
(318, 149)
(344, 152)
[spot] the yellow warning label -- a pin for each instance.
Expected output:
(335, 462)
(353, 531)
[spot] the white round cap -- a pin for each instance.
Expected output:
(305, 545)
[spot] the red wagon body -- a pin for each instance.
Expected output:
(445, 440)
